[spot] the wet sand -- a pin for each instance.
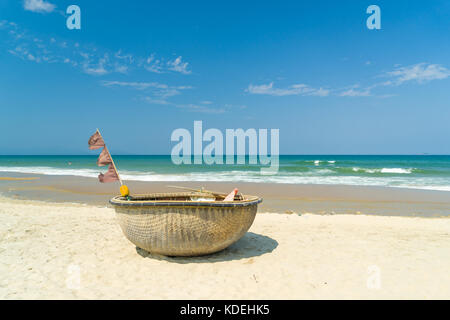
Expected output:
(280, 198)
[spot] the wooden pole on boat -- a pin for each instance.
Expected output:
(222, 194)
(112, 161)
(192, 189)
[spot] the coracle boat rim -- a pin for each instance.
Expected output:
(139, 201)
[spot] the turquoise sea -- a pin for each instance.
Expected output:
(420, 172)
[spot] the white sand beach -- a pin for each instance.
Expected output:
(74, 251)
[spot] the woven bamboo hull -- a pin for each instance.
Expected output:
(185, 230)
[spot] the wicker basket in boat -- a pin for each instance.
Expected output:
(172, 224)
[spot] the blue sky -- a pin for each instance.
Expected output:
(140, 69)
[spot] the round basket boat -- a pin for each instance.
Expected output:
(180, 224)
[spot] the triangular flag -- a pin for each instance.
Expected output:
(96, 141)
(104, 158)
(109, 176)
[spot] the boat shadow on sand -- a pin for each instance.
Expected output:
(250, 245)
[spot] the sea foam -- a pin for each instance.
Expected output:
(395, 170)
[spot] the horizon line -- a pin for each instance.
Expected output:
(307, 154)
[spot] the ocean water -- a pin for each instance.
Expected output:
(419, 172)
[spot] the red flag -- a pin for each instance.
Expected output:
(230, 196)
(109, 176)
(104, 158)
(96, 141)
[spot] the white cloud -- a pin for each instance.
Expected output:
(24, 54)
(126, 57)
(156, 101)
(201, 108)
(167, 93)
(96, 69)
(320, 92)
(420, 73)
(159, 92)
(31, 57)
(89, 59)
(143, 85)
(191, 107)
(355, 92)
(178, 66)
(40, 6)
(153, 65)
(296, 89)
(417, 73)
(135, 85)
(121, 68)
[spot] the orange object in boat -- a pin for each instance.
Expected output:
(230, 197)
(124, 191)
